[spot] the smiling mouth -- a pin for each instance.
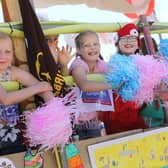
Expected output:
(128, 46)
(92, 53)
(2, 60)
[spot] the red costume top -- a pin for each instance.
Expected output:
(125, 117)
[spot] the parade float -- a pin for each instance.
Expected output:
(135, 148)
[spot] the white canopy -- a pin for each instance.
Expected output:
(112, 5)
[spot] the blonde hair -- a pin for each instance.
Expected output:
(78, 39)
(7, 36)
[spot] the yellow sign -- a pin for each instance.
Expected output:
(143, 150)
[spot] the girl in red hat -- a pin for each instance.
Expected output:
(128, 39)
(126, 115)
(141, 76)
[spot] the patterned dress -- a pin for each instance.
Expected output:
(10, 134)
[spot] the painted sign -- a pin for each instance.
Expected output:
(143, 150)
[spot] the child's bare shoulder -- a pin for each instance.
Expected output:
(17, 73)
(15, 69)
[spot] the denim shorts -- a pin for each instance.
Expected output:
(12, 147)
(88, 133)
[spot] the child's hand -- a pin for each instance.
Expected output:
(44, 86)
(163, 95)
(65, 55)
(45, 90)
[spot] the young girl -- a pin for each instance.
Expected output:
(126, 114)
(88, 61)
(140, 75)
(9, 132)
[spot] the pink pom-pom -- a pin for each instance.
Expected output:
(50, 125)
(151, 72)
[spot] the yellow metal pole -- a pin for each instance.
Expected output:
(57, 157)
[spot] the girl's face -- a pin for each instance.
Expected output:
(6, 53)
(128, 44)
(89, 48)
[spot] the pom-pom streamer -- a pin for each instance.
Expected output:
(151, 72)
(50, 125)
(123, 74)
(137, 76)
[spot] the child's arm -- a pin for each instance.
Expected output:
(27, 80)
(13, 97)
(80, 79)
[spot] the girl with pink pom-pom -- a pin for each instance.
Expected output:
(9, 132)
(48, 125)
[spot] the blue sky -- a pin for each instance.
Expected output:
(161, 10)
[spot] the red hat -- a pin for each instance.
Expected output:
(129, 29)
